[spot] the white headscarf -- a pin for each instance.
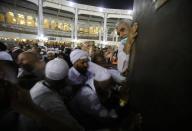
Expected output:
(56, 69)
(78, 54)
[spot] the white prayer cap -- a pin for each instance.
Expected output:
(56, 69)
(117, 77)
(78, 54)
(102, 74)
(50, 52)
(5, 56)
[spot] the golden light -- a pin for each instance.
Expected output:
(20, 15)
(2, 17)
(66, 27)
(11, 13)
(10, 18)
(60, 25)
(30, 21)
(22, 22)
(53, 21)
(29, 17)
(20, 19)
(53, 24)
(46, 23)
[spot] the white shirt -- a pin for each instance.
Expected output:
(123, 58)
(51, 102)
(76, 78)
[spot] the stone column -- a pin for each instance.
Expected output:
(76, 23)
(105, 28)
(40, 19)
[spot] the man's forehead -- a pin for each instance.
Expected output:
(123, 25)
(84, 59)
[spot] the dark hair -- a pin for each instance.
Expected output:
(9, 65)
(3, 47)
(54, 84)
(16, 53)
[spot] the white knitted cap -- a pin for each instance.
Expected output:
(56, 69)
(78, 54)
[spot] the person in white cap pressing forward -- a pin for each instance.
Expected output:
(45, 94)
(83, 69)
(88, 105)
(79, 74)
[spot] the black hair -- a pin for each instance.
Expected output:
(54, 84)
(3, 47)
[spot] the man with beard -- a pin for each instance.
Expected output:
(92, 104)
(79, 73)
(31, 69)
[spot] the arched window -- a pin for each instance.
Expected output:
(46, 23)
(10, 18)
(60, 26)
(53, 24)
(66, 27)
(30, 21)
(21, 19)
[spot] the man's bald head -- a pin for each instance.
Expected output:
(30, 56)
(27, 60)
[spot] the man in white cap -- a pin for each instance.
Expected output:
(83, 69)
(88, 105)
(46, 95)
(97, 105)
(50, 55)
(79, 74)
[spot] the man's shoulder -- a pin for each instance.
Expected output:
(39, 89)
(73, 72)
(44, 97)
